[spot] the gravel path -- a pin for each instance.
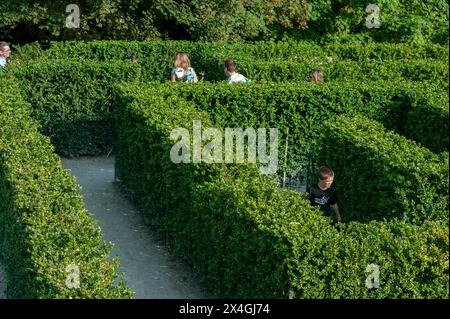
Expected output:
(150, 269)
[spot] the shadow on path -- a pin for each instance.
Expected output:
(150, 270)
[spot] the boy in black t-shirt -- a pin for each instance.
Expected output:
(323, 194)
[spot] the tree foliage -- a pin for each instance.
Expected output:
(225, 20)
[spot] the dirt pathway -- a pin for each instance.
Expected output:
(150, 270)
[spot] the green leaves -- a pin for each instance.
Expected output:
(72, 101)
(244, 237)
(45, 227)
(381, 174)
(267, 61)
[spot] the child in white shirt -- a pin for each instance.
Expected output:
(233, 76)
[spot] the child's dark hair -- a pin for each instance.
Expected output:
(324, 173)
(230, 65)
(316, 76)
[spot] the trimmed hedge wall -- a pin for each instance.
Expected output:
(72, 100)
(411, 259)
(264, 50)
(383, 175)
(433, 71)
(156, 57)
(387, 51)
(208, 212)
(267, 61)
(417, 112)
(44, 227)
(248, 240)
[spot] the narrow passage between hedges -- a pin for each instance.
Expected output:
(150, 269)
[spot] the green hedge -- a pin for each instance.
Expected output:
(412, 260)
(44, 227)
(387, 51)
(434, 71)
(380, 174)
(427, 121)
(163, 51)
(156, 57)
(72, 101)
(264, 50)
(248, 240)
(303, 107)
(267, 61)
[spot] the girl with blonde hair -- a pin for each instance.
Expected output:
(183, 70)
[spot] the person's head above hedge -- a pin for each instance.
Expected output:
(4, 52)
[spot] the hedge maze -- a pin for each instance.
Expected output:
(44, 225)
(380, 121)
